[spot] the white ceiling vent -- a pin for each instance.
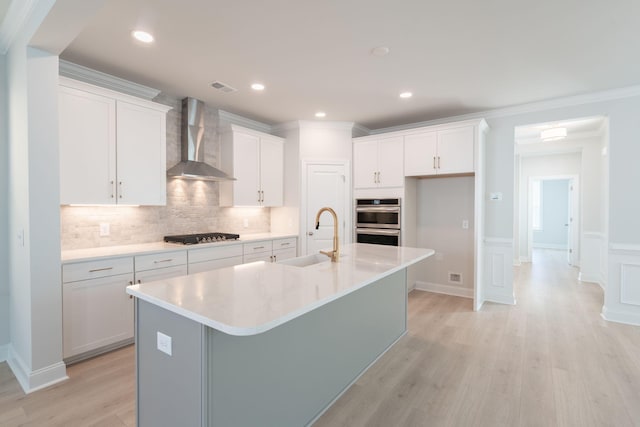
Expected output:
(223, 87)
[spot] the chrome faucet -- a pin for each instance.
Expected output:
(335, 253)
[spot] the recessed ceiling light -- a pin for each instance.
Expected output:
(406, 95)
(553, 134)
(142, 36)
(380, 51)
(321, 114)
(257, 86)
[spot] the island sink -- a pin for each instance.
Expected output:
(307, 260)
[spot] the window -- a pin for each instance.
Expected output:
(536, 204)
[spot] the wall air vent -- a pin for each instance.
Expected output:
(455, 278)
(223, 87)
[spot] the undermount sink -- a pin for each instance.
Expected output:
(306, 261)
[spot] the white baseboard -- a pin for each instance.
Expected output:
(525, 259)
(550, 246)
(31, 381)
(591, 279)
(4, 352)
(621, 317)
(501, 299)
(444, 289)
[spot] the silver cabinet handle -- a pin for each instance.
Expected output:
(258, 247)
(131, 283)
(100, 269)
(163, 260)
(113, 189)
(285, 244)
(262, 198)
(438, 162)
(139, 281)
(275, 258)
(434, 162)
(120, 191)
(378, 177)
(259, 196)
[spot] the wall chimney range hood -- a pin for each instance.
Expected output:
(192, 165)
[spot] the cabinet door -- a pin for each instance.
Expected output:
(420, 154)
(455, 150)
(390, 162)
(87, 147)
(272, 171)
(161, 273)
(141, 143)
(246, 169)
(96, 313)
(264, 256)
(198, 267)
(282, 254)
(365, 164)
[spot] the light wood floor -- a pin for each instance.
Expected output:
(550, 360)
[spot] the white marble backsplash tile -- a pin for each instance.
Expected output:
(192, 206)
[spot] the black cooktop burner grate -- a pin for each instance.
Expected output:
(192, 239)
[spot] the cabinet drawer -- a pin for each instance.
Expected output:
(287, 243)
(161, 260)
(257, 247)
(161, 273)
(199, 267)
(208, 254)
(97, 268)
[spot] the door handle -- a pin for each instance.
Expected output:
(310, 233)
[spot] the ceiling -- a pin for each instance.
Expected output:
(457, 56)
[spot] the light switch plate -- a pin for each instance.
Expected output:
(164, 343)
(465, 224)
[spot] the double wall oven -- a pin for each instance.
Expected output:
(378, 221)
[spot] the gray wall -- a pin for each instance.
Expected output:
(4, 255)
(192, 206)
(442, 205)
(555, 212)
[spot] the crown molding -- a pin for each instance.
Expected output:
(532, 107)
(98, 78)
(235, 119)
(18, 13)
(360, 130)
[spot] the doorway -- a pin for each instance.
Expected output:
(554, 216)
(325, 183)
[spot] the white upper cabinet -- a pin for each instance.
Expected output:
(256, 161)
(378, 163)
(112, 147)
(438, 152)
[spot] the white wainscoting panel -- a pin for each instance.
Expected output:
(622, 292)
(593, 256)
(498, 270)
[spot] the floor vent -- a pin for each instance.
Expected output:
(223, 87)
(455, 278)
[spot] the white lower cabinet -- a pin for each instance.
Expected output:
(97, 312)
(160, 266)
(271, 250)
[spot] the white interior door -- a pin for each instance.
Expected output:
(574, 224)
(326, 185)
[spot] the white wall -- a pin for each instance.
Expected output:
(4, 256)
(442, 205)
(553, 233)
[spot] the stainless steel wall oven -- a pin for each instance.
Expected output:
(378, 221)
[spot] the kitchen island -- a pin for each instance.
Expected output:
(266, 344)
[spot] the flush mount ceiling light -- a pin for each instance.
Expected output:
(553, 134)
(257, 86)
(142, 36)
(380, 51)
(405, 95)
(321, 114)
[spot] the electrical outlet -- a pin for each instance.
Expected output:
(104, 229)
(465, 224)
(164, 343)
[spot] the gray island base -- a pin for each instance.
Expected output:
(287, 375)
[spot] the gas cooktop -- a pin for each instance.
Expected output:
(192, 239)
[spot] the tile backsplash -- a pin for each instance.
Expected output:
(192, 206)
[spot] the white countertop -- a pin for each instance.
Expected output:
(157, 247)
(252, 298)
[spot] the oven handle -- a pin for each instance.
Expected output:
(368, 225)
(378, 208)
(376, 231)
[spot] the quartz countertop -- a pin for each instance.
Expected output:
(157, 247)
(252, 298)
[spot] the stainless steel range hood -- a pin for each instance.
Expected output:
(192, 165)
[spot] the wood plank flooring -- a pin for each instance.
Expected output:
(550, 360)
